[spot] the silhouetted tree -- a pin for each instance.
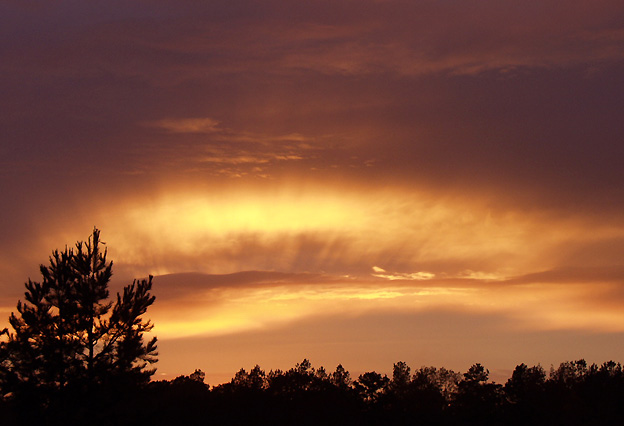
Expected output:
(68, 339)
(442, 380)
(182, 400)
(371, 386)
(477, 400)
(431, 390)
(525, 391)
(296, 380)
(198, 376)
(255, 380)
(525, 383)
(400, 377)
(396, 402)
(569, 373)
(341, 378)
(563, 390)
(602, 391)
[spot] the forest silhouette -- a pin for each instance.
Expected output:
(74, 357)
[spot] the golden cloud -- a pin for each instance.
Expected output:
(229, 310)
(186, 125)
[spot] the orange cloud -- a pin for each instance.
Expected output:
(225, 309)
(187, 125)
(382, 273)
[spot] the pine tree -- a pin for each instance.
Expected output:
(68, 338)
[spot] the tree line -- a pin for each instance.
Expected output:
(574, 393)
(75, 357)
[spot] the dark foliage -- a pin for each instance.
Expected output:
(73, 353)
(573, 394)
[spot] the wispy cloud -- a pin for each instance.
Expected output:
(186, 125)
(408, 39)
(229, 304)
(417, 276)
(206, 144)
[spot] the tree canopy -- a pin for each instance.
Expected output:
(68, 338)
(575, 393)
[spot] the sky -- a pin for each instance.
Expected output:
(438, 182)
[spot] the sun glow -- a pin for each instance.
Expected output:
(386, 250)
(394, 230)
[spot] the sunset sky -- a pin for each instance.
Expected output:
(439, 182)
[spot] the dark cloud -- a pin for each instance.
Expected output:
(509, 97)
(172, 286)
(603, 274)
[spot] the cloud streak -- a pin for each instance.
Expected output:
(186, 125)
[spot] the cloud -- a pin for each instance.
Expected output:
(171, 286)
(402, 38)
(579, 274)
(418, 276)
(187, 125)
(407, 39)
(204, 145)
(220, 305)
(507, 101)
